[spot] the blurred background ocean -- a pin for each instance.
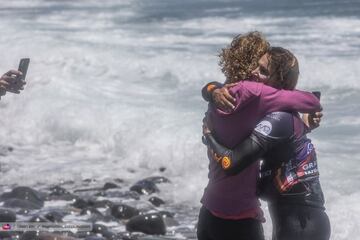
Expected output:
(114, 90)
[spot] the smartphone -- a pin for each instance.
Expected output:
(317, 94)
(23, 67)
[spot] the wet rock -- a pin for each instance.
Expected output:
(158, 179)
(7, 215)
(156, 201)
(38, 219)
(104, 231)
(80, 203)
(90, 211)
(24, 193)
(122, 211)
(20, 203)
(60, 193)
(55, 216)
(110, 185)
(148, 224)
(99, 228)
(168, 218)
(145, 186)
(23, 212)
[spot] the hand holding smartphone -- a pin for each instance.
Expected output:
(23, 67)
(14, 81)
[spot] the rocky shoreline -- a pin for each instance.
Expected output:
(115, 209)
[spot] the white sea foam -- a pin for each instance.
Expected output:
(108, 94)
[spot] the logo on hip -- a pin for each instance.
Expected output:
(264, 127)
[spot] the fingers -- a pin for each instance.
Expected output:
(4, 83)
(206, 130)
(317, 118)
(319, 114)
(13, 72)
(223, 99)
(12, 77)
(228, 97)
(226, 102)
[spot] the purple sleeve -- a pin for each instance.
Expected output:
(288, 100)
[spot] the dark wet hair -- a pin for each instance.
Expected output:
(285, 68)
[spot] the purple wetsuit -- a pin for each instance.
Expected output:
(234, 196)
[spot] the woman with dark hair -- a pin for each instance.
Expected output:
(289, 174)
(231, 209)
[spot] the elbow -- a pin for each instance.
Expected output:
(229, 166)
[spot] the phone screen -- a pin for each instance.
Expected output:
(23, 67)
(317, 94)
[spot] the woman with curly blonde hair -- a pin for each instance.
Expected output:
(238, 60)
(231, 209)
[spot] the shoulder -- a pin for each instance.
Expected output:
(249, 87)
(245, 92)
(276, 125)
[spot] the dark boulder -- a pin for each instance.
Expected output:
(90, 211)
(148, 224)
(60, 193)
(157, 179)
(105, 232)
(122, 211)
(145, 186)
(156, 201)
(24, 193)
(81, 203)
(20, 203)
(110, 185)
(55, 216)
(7, 215)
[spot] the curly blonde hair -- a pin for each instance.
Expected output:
(241, 57)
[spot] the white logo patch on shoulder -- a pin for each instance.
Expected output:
(264, 127)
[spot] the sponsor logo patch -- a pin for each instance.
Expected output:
(226, 162)
(264, 127)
